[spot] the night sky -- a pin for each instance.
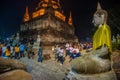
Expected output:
(12, 12)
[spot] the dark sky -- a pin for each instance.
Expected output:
(12, 11)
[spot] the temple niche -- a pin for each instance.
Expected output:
(49, 22)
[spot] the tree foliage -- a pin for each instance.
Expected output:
(114, 20)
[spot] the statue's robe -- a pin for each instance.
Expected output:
(102, 37)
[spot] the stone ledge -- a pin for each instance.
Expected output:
(101, 76)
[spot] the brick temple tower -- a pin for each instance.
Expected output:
(48, 21)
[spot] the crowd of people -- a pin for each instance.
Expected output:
(17, 51)
(10, 51)
(73, 50)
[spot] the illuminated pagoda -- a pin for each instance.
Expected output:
(49, 22)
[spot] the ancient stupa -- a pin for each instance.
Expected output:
(48, 21)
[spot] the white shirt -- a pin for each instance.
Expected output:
(61, 52)
(67, 46)
(71, 49)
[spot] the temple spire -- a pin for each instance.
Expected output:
(59, 2)
(98, 6)
(26, 16)
(70, 19)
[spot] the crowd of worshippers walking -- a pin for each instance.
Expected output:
(16, 52)
(69, 49)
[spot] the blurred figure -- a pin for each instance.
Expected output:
(7, 52)
(0, 51)
(22, 48)
(3, 49)
(60, 56)
(67, 48)
(17, 51)
(40, 58)
(30, 50)
(76, 52)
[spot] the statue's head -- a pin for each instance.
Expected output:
(100, 16)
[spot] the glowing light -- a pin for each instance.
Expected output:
(38, 13)
(70, 19)
(44, 5)
(46, 0)
(53, 2)
(59, 15)
(55, 7)
(26, 16)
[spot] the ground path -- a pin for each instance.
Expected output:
(47, 70)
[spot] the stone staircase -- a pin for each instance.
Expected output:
(47, 70)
